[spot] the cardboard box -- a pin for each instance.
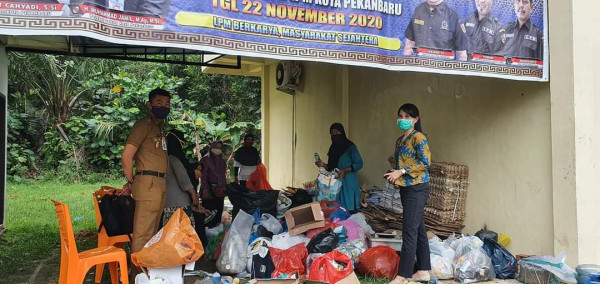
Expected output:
(303, 218)
(350, 279)
(274, 281)
(170, 275)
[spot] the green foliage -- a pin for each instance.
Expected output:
(19, 157)
(71, 117)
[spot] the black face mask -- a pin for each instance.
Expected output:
(337, 139)
(161, 112)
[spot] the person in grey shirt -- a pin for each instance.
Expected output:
(436, 25)
(180, 191)
(486, 34)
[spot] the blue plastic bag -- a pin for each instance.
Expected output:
(328, 186)
(505, 264)
(341, 214)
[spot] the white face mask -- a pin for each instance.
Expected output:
(216, 151)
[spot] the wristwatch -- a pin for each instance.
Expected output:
(130, 181)
(403, 171)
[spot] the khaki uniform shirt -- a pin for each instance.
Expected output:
(147, 136)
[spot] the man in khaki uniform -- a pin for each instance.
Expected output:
(147, 145)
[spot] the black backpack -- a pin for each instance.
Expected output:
(117, 214)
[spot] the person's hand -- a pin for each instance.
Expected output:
(195, 199)
(342, 173)
(126, 189)
(320, 164)
(393, 176)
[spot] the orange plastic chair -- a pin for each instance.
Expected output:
(103, 238)
(74, 265)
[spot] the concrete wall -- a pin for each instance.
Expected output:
(299, 124)
(499, 128)
(587, 130)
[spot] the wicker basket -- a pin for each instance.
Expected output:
(449, 170)
(447, 217)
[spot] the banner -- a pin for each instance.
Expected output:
(492, 38)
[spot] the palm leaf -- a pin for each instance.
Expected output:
(105, 129)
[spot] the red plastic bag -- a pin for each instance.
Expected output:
(380, 262)
(289, 261)
(323, 269)
(328, 207)
(258, 179)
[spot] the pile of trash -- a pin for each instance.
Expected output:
(470, 259)
(301, 234)
(299, 238)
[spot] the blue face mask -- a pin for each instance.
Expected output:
(404, 124)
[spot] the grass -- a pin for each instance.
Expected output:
(32, 236)
(31, 240)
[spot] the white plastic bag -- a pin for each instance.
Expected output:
(473, 266)
(466, 244)
(556, 265)
(233, 258)
(285, 241)
(436, 246)
(213, 232)
(441, 267)
(283, 204)
(360, 219)
(270, 223)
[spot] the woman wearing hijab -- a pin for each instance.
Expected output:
(214, 170)
(344, 156)
(246, 159)
(180, 190)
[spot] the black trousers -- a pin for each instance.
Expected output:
(201, 228)
(214, 204)
(414, 235)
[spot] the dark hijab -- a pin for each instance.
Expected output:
(175, 144)
(339, 145)
(247, 155)
(214, 166)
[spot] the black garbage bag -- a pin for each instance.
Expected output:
(266, 200)
(323, 242)
(300, 198)
(261, 231)
(484, 234)
(505, 264)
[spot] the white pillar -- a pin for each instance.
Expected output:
(575, 86)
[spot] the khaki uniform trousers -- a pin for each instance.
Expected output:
(149, 193)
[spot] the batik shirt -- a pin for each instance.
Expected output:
(413, 155)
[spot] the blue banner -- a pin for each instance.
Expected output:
(493, 38)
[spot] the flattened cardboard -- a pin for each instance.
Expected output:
(274, 281)
(350, 279)
(303, 218)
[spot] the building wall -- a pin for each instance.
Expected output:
(308, 114)
(499, 128)
(587, 130)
